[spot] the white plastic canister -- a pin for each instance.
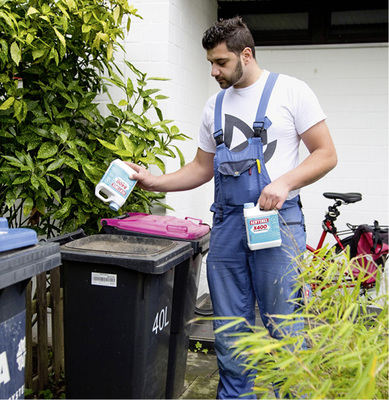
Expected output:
(116, 185)
(262, 227)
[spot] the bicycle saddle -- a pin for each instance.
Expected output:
(346, 197)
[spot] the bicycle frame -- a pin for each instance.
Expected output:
(328, 225)
(331, 216)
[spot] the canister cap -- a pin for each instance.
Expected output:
(114, 206)
(249, 205)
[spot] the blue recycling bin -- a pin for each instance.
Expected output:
(21, 258)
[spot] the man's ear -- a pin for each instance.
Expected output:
(247, 55)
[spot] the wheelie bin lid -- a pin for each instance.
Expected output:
(188, 229)
(14, 238)
(21, 264)
(144, 254)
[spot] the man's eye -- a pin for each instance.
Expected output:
(222, 63)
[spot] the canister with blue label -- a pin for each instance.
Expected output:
(115, 186)
(262, 227)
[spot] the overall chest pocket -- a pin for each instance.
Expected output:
(239, 181)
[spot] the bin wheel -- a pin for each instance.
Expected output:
(204, 306)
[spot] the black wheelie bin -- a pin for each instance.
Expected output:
(186, 279)
(118, 293)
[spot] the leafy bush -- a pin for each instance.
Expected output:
(56, 57)
(342, 352)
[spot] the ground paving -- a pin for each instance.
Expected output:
(202, 376)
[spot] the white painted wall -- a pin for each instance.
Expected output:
(351, 83)
(167, 43)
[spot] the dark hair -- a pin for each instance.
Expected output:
(234, 32)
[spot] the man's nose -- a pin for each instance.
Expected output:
(215, 71)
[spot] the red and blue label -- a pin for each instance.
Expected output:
(262, 230)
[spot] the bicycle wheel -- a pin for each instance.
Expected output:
(369, 289)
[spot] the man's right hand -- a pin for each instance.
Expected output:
(146, 180)
(190, 176)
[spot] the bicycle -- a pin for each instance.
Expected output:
(341, 246)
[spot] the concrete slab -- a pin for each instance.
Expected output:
(202, 377)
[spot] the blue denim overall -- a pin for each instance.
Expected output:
(237, 276)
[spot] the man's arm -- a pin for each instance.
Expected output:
(321, 160)
(190, 176)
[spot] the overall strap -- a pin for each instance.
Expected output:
(218, 134)
(261, 121)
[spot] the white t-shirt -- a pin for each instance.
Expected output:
(293, 108)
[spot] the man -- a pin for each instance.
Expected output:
(243, 173)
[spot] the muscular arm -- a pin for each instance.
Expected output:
(190, 176)
(321, 160)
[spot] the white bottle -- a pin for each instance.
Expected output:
(262, 227)
(116, 185)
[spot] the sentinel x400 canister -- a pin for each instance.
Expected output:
(262, 227)
(115, 185)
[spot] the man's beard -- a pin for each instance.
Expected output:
(234, 78)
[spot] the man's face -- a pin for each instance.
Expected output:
(226, 66)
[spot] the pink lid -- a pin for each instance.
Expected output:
(188, 228)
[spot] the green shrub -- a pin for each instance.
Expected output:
(345, 355)
(55, 142)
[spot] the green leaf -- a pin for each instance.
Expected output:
(14, 161)
(47, 150)
(125, 154)
(8, 19)
(134, 117)
(123, 103)
(32, 10)
(7, 104)
(38, 53)
(71, 163)
(33, 145)
(132, 130)
(62, 132)
(181, 156)
(91, 173)
(57, 178)
(160, 164)
(28, 206)
(116, 14)
(56, 164)
(16, 53)
(21, 179)
(155, 78)
(64, 210)
(10, 198)
(110, 50)
(40, 205)
(127, 143)
(34, 182)
(129, 88)
(108, 145)
(174, 130)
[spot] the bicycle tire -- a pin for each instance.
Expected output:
(347, 242)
